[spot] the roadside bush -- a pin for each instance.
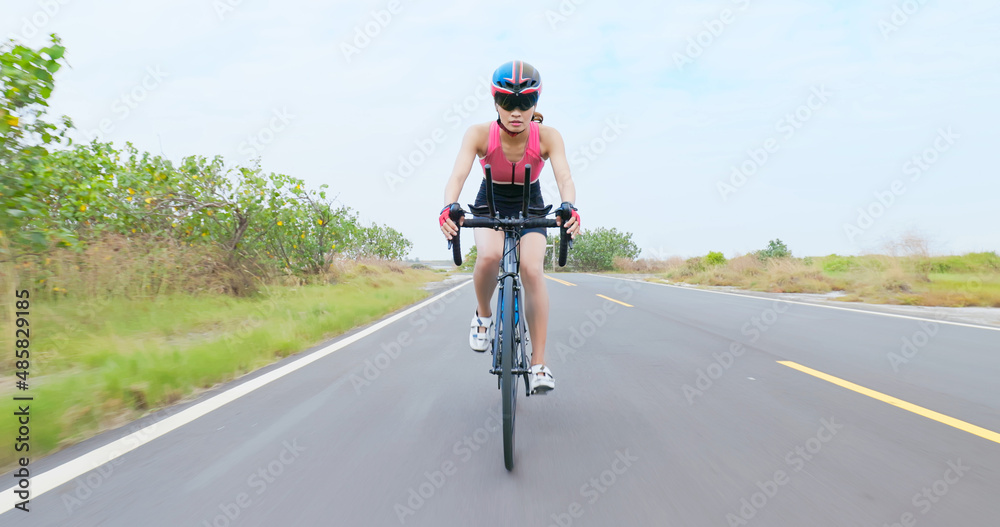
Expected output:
(715, 258)
(595, 250)
(469, 261)
(775, 249)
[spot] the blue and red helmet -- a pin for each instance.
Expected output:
(516, 84)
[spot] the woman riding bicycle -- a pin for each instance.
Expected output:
(525, 141)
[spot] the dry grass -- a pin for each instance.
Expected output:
(907, 274)
(131, 267)
(647, 265)
(150, 267)
(748, 272)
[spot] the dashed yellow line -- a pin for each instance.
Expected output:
(616, 301)
(919, 410)
(563, 282)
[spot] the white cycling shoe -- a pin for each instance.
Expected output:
(480, 341)
(541, 379)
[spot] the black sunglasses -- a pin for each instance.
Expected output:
(511, 101)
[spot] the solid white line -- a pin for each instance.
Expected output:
(57, 476)
(804, 303)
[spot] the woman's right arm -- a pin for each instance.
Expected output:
(460, 172)
(474, 137)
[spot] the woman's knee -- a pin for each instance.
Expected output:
(488, 258)
(532, 272)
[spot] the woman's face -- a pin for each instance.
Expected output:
(515, 120)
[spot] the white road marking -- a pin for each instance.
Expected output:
(57, 476)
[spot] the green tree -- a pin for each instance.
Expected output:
(775, 249)
(27, 185)
(75, 194)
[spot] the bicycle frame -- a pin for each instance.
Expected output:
(510, 351)
(509, 277)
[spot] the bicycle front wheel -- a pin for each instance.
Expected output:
(508, 381)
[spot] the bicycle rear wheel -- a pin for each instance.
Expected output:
(508, 381)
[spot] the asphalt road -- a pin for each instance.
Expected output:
(674, 411)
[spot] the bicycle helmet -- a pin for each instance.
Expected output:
(516, 84)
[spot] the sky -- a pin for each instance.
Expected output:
(696, 126)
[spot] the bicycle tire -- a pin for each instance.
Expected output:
(508, 381)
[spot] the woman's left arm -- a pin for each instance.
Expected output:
(560, 167)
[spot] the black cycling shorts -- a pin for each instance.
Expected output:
(509, 200)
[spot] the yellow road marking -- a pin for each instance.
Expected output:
(563, 282)
(919, 410)
(616, 301)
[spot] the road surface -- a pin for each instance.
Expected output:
(673, 406)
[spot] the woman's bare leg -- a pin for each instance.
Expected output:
(489, 246)
(536, 295)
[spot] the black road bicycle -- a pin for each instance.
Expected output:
(510, 344)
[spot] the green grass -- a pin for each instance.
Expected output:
(100, 365)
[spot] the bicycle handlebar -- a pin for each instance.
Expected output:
(494, 222)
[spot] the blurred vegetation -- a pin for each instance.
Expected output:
(58, 195)
(906, 275)
(151, 281)
(469, 261)
(715, 258)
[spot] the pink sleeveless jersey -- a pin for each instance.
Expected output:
(500, 166)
